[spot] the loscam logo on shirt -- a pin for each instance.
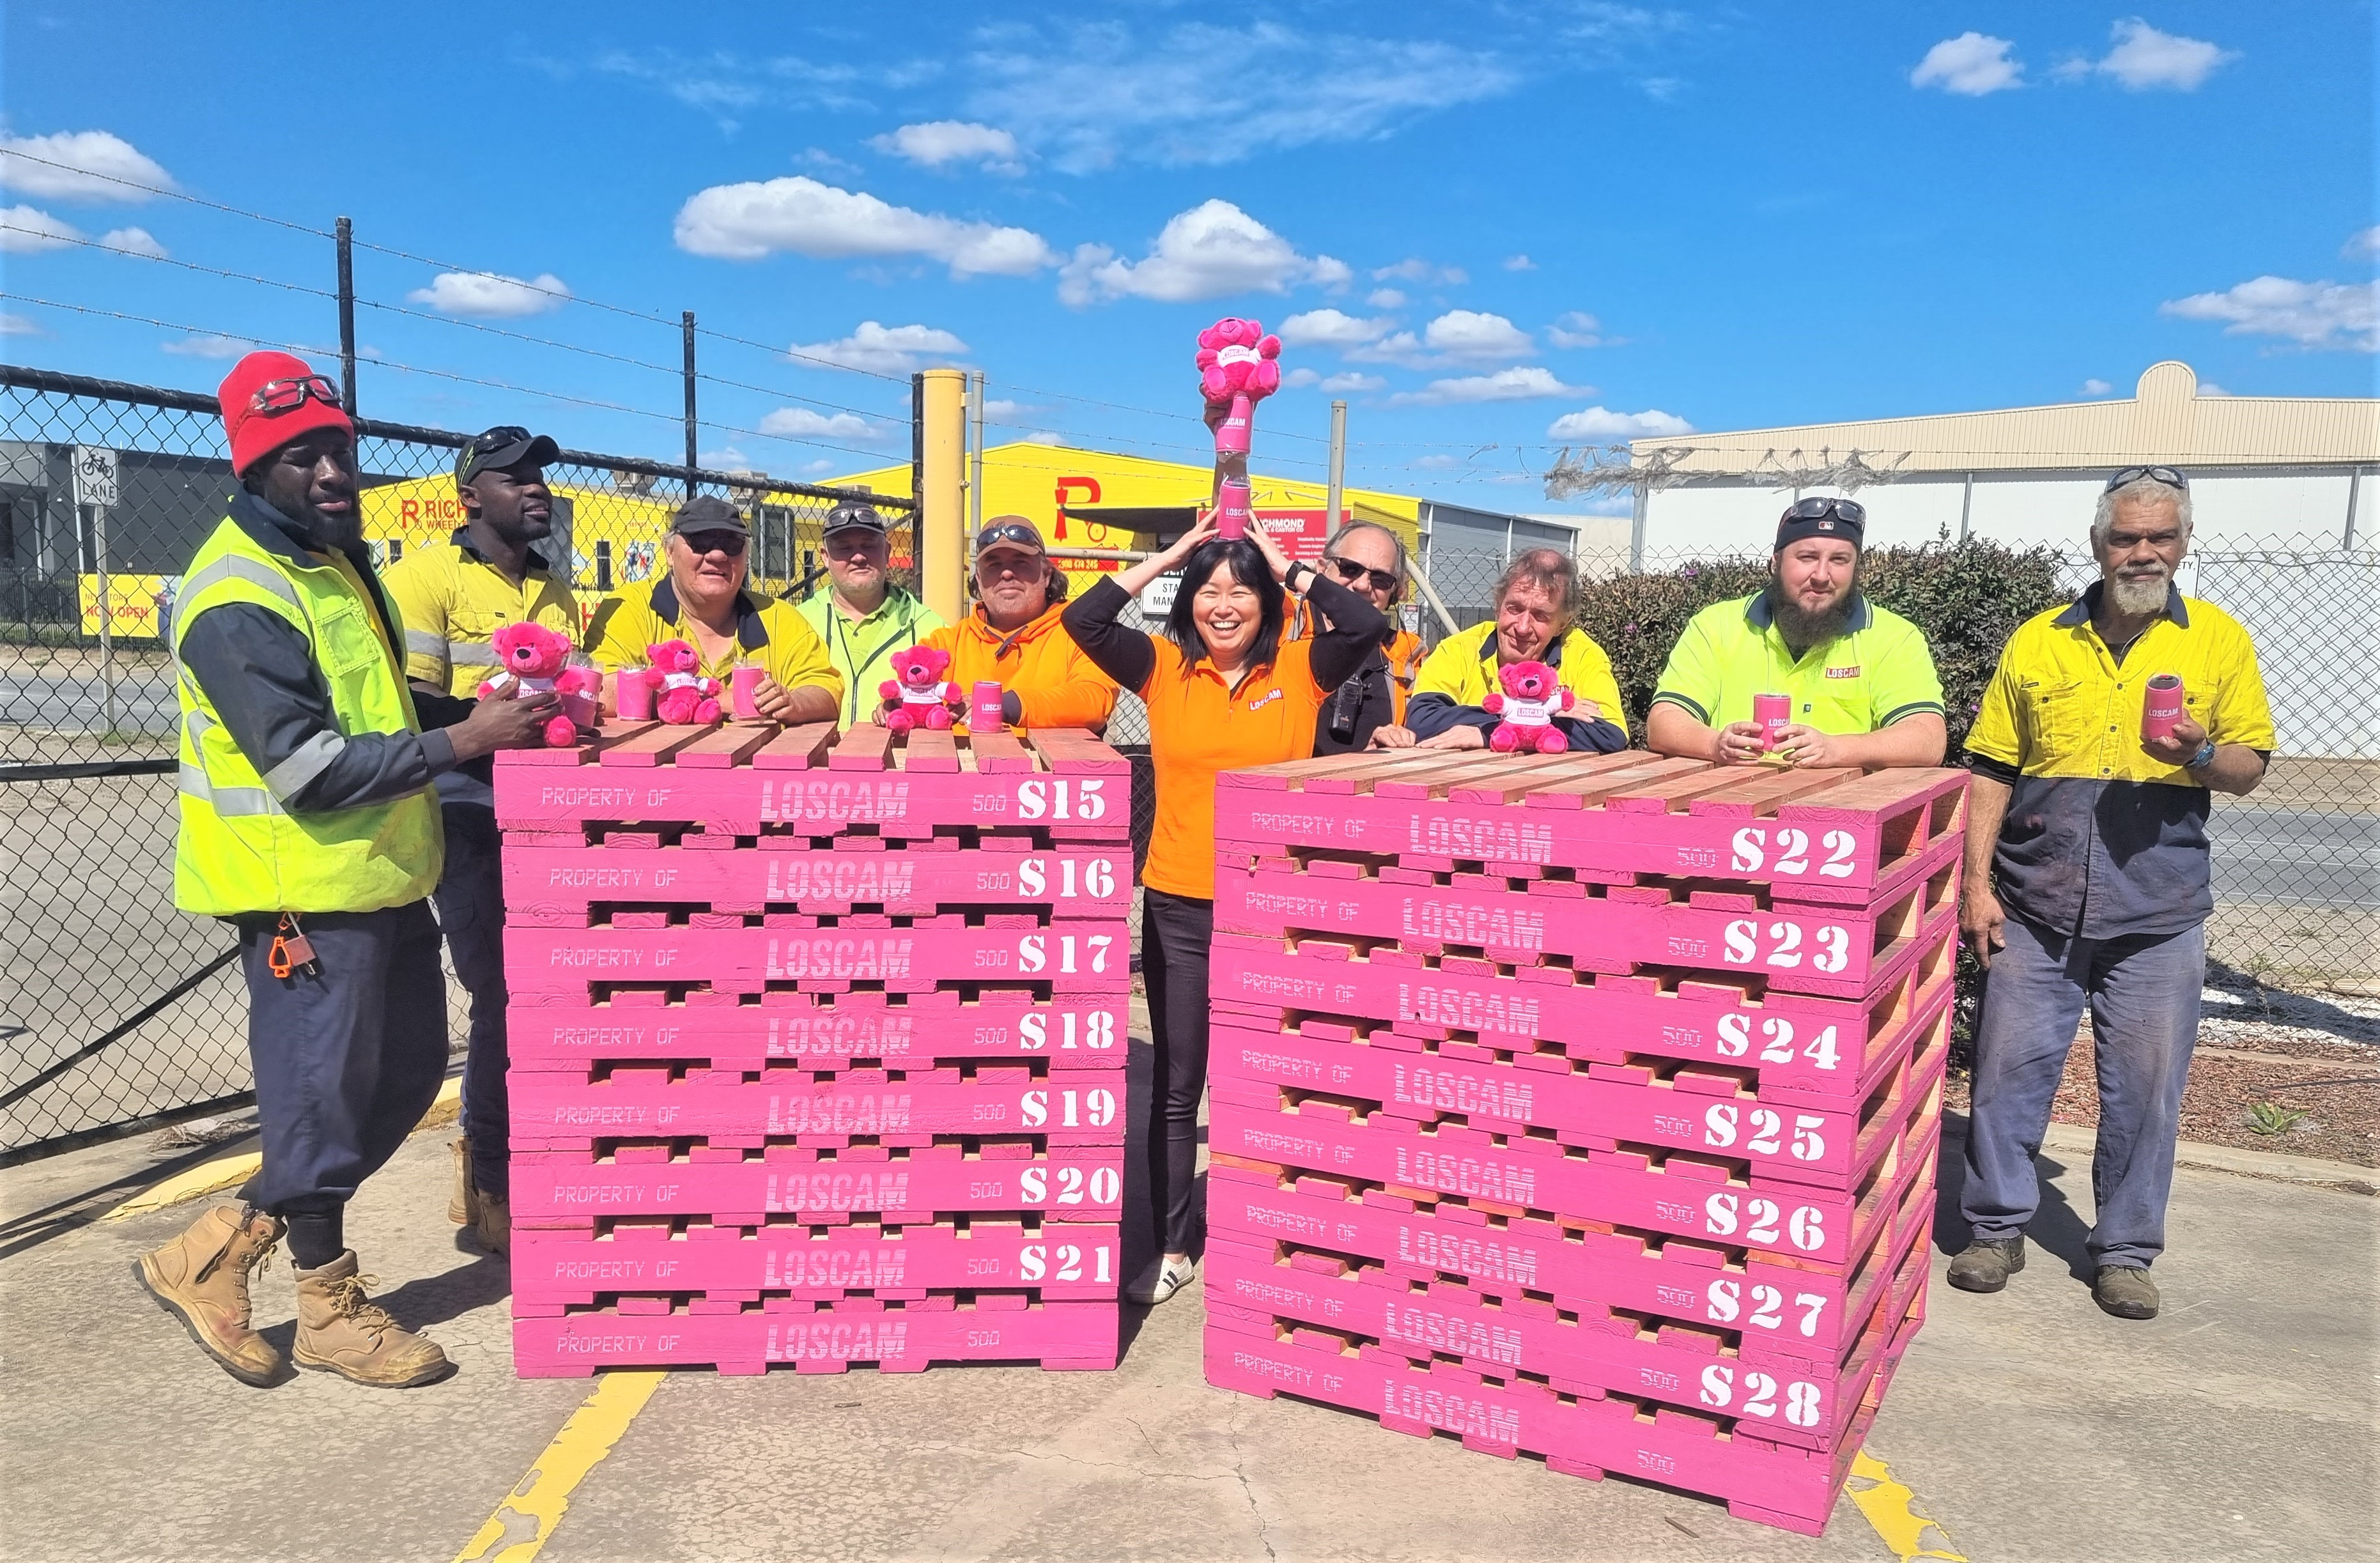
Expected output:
(1850, 671)
(1267, 698)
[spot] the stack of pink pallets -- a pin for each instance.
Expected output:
(817, 1047)
(1581, 1106)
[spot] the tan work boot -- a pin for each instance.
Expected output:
(201, 1278)
(342, 1330)
(463, 1204)
(493, 1226)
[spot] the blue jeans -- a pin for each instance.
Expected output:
(2143, 991)
(471, 910)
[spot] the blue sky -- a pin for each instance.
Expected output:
(1494, 229)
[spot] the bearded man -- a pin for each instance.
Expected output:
(1860, 680)
(2087, 880)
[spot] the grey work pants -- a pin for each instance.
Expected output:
(2143, 991)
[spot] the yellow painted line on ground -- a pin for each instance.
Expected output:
(1892, 1509)
(519, 1528)
(230, 1171)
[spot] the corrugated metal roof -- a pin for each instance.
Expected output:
(2166, 420)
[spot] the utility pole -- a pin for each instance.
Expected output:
(975, 386)
(347, 238)
(685, 328)
(1338, 465)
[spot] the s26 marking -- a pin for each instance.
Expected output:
(1759, 1219)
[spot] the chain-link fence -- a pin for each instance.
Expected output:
(119, 1009)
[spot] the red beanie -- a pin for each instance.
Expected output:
(255, 435)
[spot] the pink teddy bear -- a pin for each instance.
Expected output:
(1531, 698)
(925, 698)
(681, 693)
(1240, 364)
(530, 656)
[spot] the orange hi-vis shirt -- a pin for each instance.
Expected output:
(1199, 725)
(1054, 684)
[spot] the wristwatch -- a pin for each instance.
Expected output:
(2205, 757)
(1289, 577)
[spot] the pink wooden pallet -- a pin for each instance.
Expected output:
(1756, 1478)
(555, 1111)
(1822, 835)
(899, 1337)
(919, 878)
(556, 1270)
(1773, 1311)
(1842, 952)
(1683, 1196)
(1706, 1111)
(904, 1185)
(817, 1031)
(901, 954)
(1802, 1048)
(741, 780)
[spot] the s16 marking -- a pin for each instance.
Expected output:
(1721, 1119)
(1767, 1312)
(1782, 946)
(1752, 853)
(1096, 878)
(1723, 1212)
(1776, 1041)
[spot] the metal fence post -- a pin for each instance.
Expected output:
(1642, 495)
(347, 315)
(1338, 491)
(685, 327)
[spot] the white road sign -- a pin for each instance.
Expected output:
(94, 475)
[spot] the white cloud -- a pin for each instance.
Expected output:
(801, 423)
(1298, 379)
(1210, 251)
(1330, 272)
(941, 141)
(1518, 264)
(823, 463)
(1385, 299)
(1397, 348)
(1575, 328)
(2095, 387)
(1971, 64)
(12, 325)
(1000, 409)
(94, 161)
(2366, 243)
(1437, 463)
(1331, 328)
(2208, 388)
(1351, 381)
(1099, 94)
(1471, 336)
(728, 460)
(2144, 59)
(491, 294)
(25, 230)
(2313, 314)
(883, 349)
(207, 346)
(134, 241)
(1602, 426)
(1504, 385)
(1045, 437)
(1413, 269)
(748, 222)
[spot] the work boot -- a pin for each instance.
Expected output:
(342, 1330)
(463, 1204)
(201, 1278)
(493, 1226)
(2126, 1292)
(1987, 1263)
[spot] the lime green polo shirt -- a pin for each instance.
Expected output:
(1877, 672)
(862, 653)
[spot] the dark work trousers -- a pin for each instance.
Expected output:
(2143, 991)
(471, 910)
(347, 1060)
(1176, 932)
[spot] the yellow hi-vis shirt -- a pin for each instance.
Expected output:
(453, 601)
(1877, 672)
(1463, 668)
(768, 635)
(862, 653)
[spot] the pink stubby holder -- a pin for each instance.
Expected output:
(631, 695)
(1773, 713)
(1232, 513)
(985, 712)
(2165, 706)
(743, 686)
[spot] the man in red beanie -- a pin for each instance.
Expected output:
(307, 822)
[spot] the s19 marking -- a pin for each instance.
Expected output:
(1751, 844)
(1075, 1109)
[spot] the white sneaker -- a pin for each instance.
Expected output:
(1163, 1278)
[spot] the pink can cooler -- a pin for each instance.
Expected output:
(743, 690)
(631, 695)
(1231, 513)
(1773, 713)
(2166, 704)
(984, 713)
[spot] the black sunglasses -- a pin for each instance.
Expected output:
(1350, 572)
(1818, 506)
(2171, 477)
(729, 543)
(1012, 533)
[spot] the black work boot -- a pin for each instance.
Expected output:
(2126, 1292)
(1987, 1263)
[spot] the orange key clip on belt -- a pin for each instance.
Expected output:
(291, 951)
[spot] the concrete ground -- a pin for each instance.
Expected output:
(2239, 1425)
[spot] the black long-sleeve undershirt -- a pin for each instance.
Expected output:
(1351, 627)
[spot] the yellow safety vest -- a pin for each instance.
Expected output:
(240, 848)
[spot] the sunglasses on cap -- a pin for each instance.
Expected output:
(1820, 505)
(729, 543)
(1011, 532)
(2171, 477)
(277, 397)
(1350, 572)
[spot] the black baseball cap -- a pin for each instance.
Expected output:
(708, 512)
(853, 516)
(507, 444)
(1822, 515)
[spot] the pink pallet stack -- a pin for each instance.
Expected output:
(1579, 1105)
(817, 1047)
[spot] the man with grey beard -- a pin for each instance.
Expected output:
(2087, 881)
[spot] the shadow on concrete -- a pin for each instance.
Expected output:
(85, 1206)
(2056, 1225)
(432, 1299)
